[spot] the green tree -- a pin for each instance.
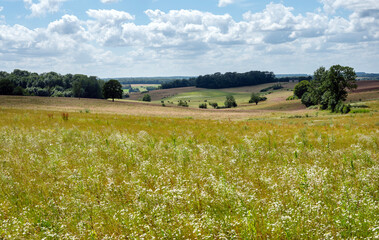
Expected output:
(329, 88)
(301, 88)
(146, 98)
(112, 89)
(77, 89)
(230, 102)
(255, 98)
(6, 87)
(335, 86)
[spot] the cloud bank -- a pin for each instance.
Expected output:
(195, 42)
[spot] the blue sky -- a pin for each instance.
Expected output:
(114, 38)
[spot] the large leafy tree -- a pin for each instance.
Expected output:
(112, 89)
(329, 88)
(335, 86)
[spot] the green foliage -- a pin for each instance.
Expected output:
(182, 103)
(230, 102)
(329, 88)
(301, 88)
(6, 87)
(293, 97)
(213, 104)
(342, 108)
(146, 98)
(18, 91)
(306, 99)
(273, 87)
(203, 105)
(112, 89)
(51, 84)
(179, 83)
(254, 98)
(234, 79)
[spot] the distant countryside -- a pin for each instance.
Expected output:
(235, 155)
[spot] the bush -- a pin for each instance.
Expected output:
(293, 97)
(203, 105)
(146, 98)
(254, 98)
(230, 102)
(182, 103)
(277, 86)
(214, 105)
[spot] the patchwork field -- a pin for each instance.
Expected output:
(131, 170)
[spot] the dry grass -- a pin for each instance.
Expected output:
(140, 108)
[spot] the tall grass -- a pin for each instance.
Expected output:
(103, 176)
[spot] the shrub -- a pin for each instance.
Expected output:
(146, 98)
(182, 103)
(203, 105)
(214, 105)
(293, 97)
(254, 98)
(230, 102)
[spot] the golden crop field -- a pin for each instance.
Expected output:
(101, 175)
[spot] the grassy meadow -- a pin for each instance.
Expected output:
(241, 94)
(122, 173)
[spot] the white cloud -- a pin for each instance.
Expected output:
(1, 8)
(109, 1)
(69, 24)
(109, 16)
(43, 6)
(355, 5)
(224, 3)
(198, 40)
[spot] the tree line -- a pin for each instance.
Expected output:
(179, 83)
(51, 84)
(226, 80)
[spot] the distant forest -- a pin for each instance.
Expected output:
(147, 80)
(229, 79)
(50, 84)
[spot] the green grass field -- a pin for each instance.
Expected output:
(131, 175)
(242, 96)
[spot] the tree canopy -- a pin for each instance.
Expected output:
(112, 89)
(329, 87)
(230, 102)
(51, 84)
(301, 88)
(234, 79)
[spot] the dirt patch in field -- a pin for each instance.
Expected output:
(366, 86)
(163, 93)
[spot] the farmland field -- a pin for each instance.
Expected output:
(141, 171)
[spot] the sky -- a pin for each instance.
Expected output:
(136, 38)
